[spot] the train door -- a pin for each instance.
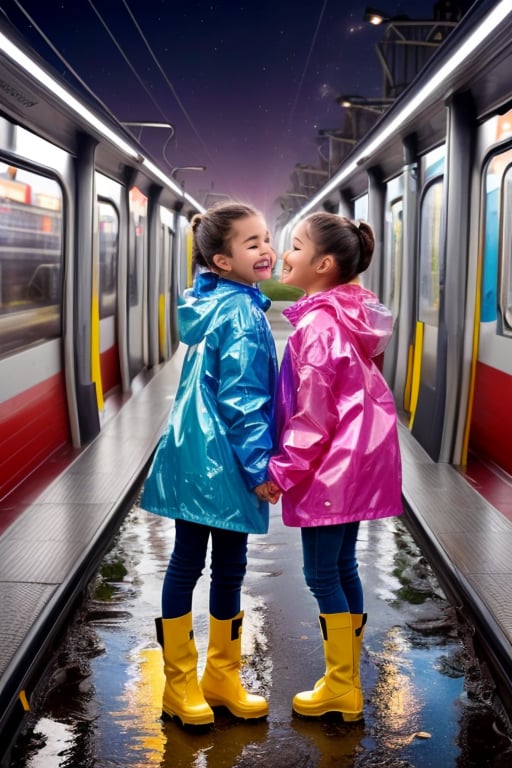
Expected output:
(392, 267)
(105, 348)
(437, 389)
(136, 288)
(36, 413)
(429, 362)
(491, 417)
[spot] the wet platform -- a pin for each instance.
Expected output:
(54, 545)
(468, 542)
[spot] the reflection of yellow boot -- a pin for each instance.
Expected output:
(221, 681)
(336, 691)
(183, 697)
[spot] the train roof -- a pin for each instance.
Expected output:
(475, 59)
(33, 95)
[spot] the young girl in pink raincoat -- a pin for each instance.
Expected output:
(338, 460)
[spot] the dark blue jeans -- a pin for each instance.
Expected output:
(330, 567)
(228, 566)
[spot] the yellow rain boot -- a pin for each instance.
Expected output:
(183, 698)
(336, 691)
(358, 624)
(221, 681)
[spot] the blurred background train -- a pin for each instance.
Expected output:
(434, 178)
(95, 247)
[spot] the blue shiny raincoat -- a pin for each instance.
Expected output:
(220, 433)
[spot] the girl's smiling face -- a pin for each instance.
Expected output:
(299, 264)
(251, 256)
(304, 267)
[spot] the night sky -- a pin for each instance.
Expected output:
(247, 85)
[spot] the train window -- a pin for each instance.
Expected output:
(506, 256)
(138, 212)
(497, 269)
(361, 208)
(31, 257)
(108, 222)
(165, 300)
(433, 163)
(430, 267)
(392, 259)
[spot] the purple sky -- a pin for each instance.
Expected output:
(247, 85)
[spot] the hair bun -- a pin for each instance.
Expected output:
(196, 220)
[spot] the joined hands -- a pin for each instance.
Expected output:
(268, 491)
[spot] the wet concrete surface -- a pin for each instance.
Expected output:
(427, 702)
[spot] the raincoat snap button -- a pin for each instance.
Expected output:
(327, 503)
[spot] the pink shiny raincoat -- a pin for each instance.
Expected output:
(338, 459)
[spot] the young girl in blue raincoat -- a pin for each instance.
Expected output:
(338, 460)
(209, 469)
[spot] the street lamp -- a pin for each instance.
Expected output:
(407, 44)
(378, 105)
(179, 168)
(144, 124)
(138, 124)
(376, 17)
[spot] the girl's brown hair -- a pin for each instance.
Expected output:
(212, 231)
(350, 244)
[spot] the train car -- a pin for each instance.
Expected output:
(434, 179)
(94, 248)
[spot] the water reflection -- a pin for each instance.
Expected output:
(167, 744)
(103, 702)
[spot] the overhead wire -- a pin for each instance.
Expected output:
(306, 65)
(136, 74)
(168, 82)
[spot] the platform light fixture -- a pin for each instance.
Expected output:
(33, 69)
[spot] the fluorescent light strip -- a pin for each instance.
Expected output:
(500, 12)
(35, 70)
(170, 183)
(22, 60)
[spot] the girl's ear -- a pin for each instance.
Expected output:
(326, 264)
(222, 262)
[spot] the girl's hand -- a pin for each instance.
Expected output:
(268, 491)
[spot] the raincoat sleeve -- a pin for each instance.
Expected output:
(245, 399)
(307, 433)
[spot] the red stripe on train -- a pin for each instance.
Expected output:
(110, 369)
(33, 425)
(491, 420)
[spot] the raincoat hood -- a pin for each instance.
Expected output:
(369, 322)
(196, 317)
